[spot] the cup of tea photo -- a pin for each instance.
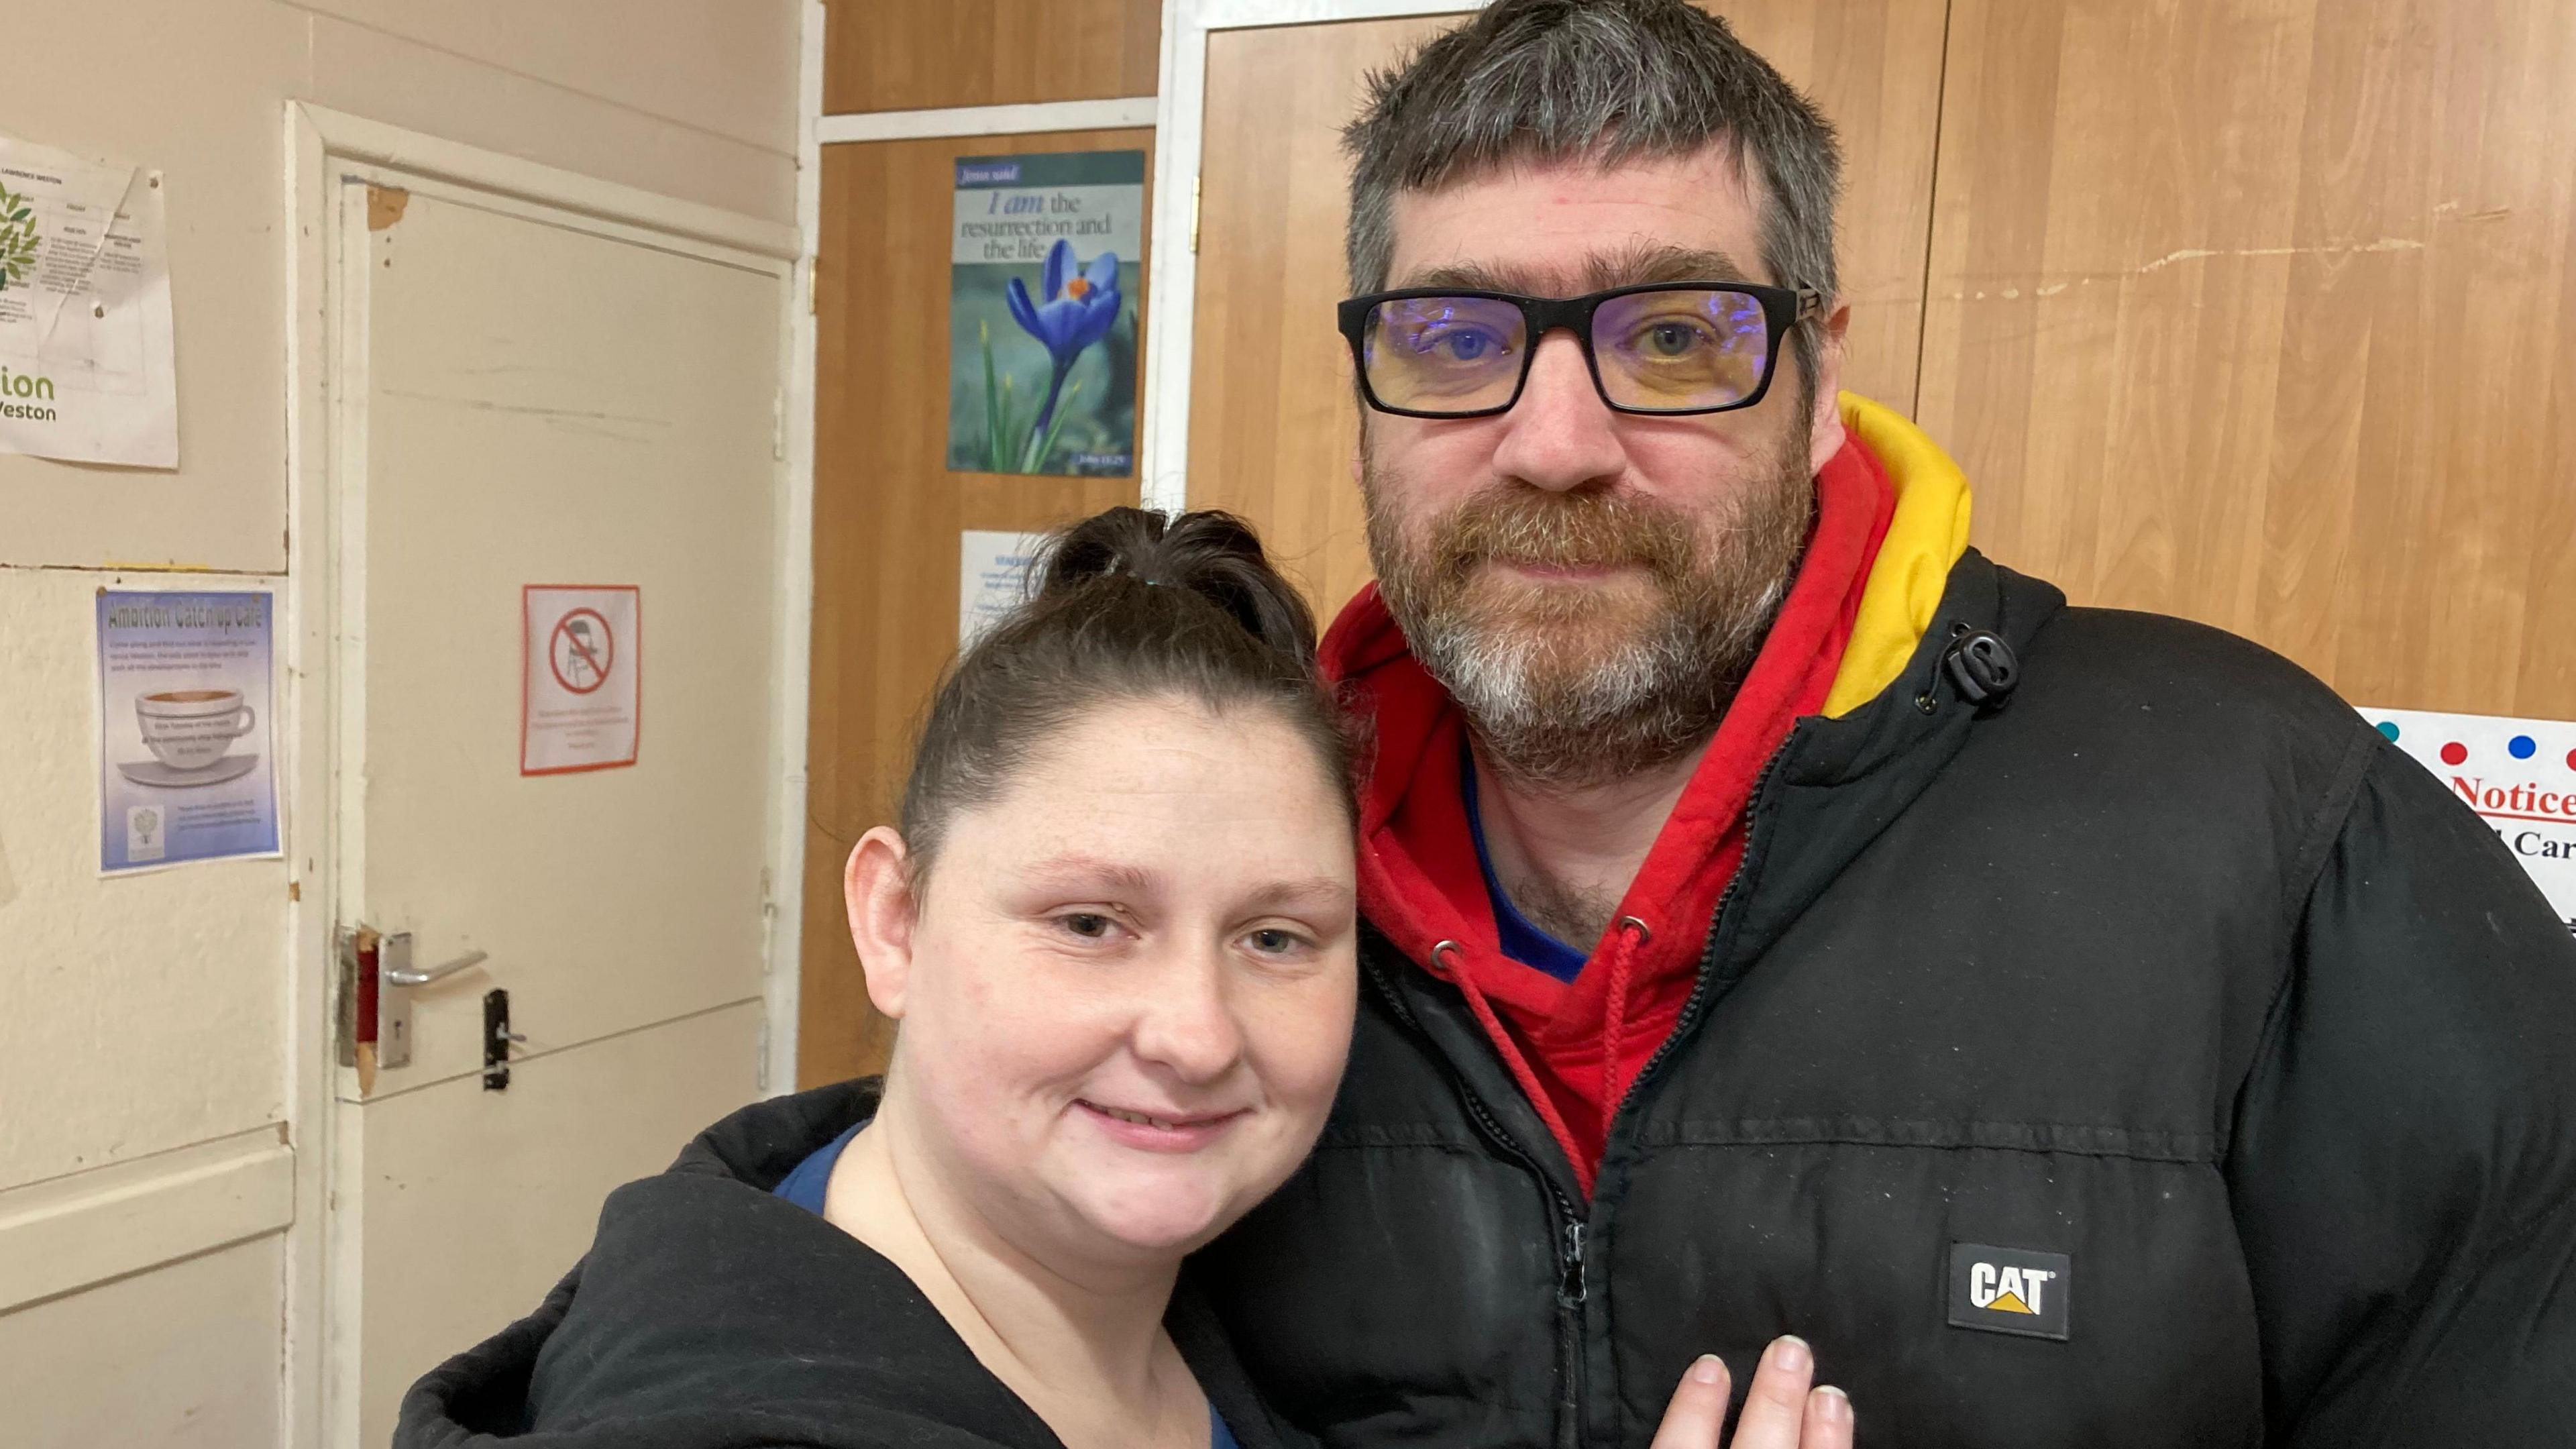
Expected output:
(189, 729)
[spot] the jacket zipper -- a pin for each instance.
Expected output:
(1570, 1288)
(1701, 994)
(1692, 1010)
(1572, 1280)
(1573, 1288)
(1700, 997)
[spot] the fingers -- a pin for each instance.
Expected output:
(1775, 1407)
(1697, 1413)
(1781, 1411)
(1829, 1419)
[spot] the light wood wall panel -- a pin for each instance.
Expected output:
(887, 513)
(2258, 311)
(1273, 423)
(903, 55)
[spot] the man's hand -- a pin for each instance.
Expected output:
(1780, 1411)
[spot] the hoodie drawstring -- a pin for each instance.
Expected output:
(1614, 1022)
(1522, 1072)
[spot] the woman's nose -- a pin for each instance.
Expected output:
(1188, 1025)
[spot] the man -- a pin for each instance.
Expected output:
(2079, 1026)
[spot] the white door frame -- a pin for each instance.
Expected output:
(326, 399)
(1122, 113)
(1180, 126)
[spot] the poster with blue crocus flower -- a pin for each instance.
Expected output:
(1044, 269)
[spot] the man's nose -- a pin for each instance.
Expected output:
(1560, 435)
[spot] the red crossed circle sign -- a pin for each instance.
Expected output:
(581, 651)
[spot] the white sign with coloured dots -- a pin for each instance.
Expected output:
(2518, 774)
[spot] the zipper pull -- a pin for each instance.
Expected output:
(1570, 1287)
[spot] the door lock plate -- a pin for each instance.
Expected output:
(393, 1002)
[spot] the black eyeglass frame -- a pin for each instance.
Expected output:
(1782, 309)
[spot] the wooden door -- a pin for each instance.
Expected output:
(1273, 422)
(887, 514)
(2262, 312)
(544, 401)
(906, 57)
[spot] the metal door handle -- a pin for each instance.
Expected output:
(407, 976)
(376, 981)
(393, 998)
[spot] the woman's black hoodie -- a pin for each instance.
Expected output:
(710, 1314)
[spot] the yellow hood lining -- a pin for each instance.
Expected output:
(1924, 541)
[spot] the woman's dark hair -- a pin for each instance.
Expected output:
(1123, 605)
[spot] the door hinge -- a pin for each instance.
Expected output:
(813, 286)
(760, 1079)
(778, 427)
(1194, 215)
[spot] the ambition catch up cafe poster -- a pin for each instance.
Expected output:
(1044, 265)
(2518, 774)
(187, 767)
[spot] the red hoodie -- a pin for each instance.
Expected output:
(1576, 1047)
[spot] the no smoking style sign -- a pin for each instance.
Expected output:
(581, 650)
(584, 655)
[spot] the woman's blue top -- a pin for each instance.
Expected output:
(805, 1187)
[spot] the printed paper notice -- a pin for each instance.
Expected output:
(992, 578)
(185, 768)
(2520, 774)
(86, 370)
(585, 652)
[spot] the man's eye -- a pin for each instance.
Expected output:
(1274, 942)
(1090, 925)
(1671, 339)
(1462, 346)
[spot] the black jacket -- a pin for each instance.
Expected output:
(2167, 966)
(710, 1314)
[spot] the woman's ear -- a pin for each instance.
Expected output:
(884, 913)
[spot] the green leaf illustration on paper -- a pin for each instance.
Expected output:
(17, 238)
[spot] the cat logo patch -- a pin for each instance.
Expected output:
(2009, 1290)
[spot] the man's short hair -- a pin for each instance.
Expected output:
(1558, 80)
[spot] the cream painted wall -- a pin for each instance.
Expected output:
(144, 1013)
(157, 1361)
(142, 1017)
(693, 98)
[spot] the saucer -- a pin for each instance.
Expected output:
(161, 776)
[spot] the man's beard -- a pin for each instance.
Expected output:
(1565, 686)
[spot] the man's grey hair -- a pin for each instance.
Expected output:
(1611, 80)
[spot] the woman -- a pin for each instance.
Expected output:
(1117, 926)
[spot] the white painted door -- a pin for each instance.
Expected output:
(532, 399)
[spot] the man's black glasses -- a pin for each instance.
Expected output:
(1662, 348)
